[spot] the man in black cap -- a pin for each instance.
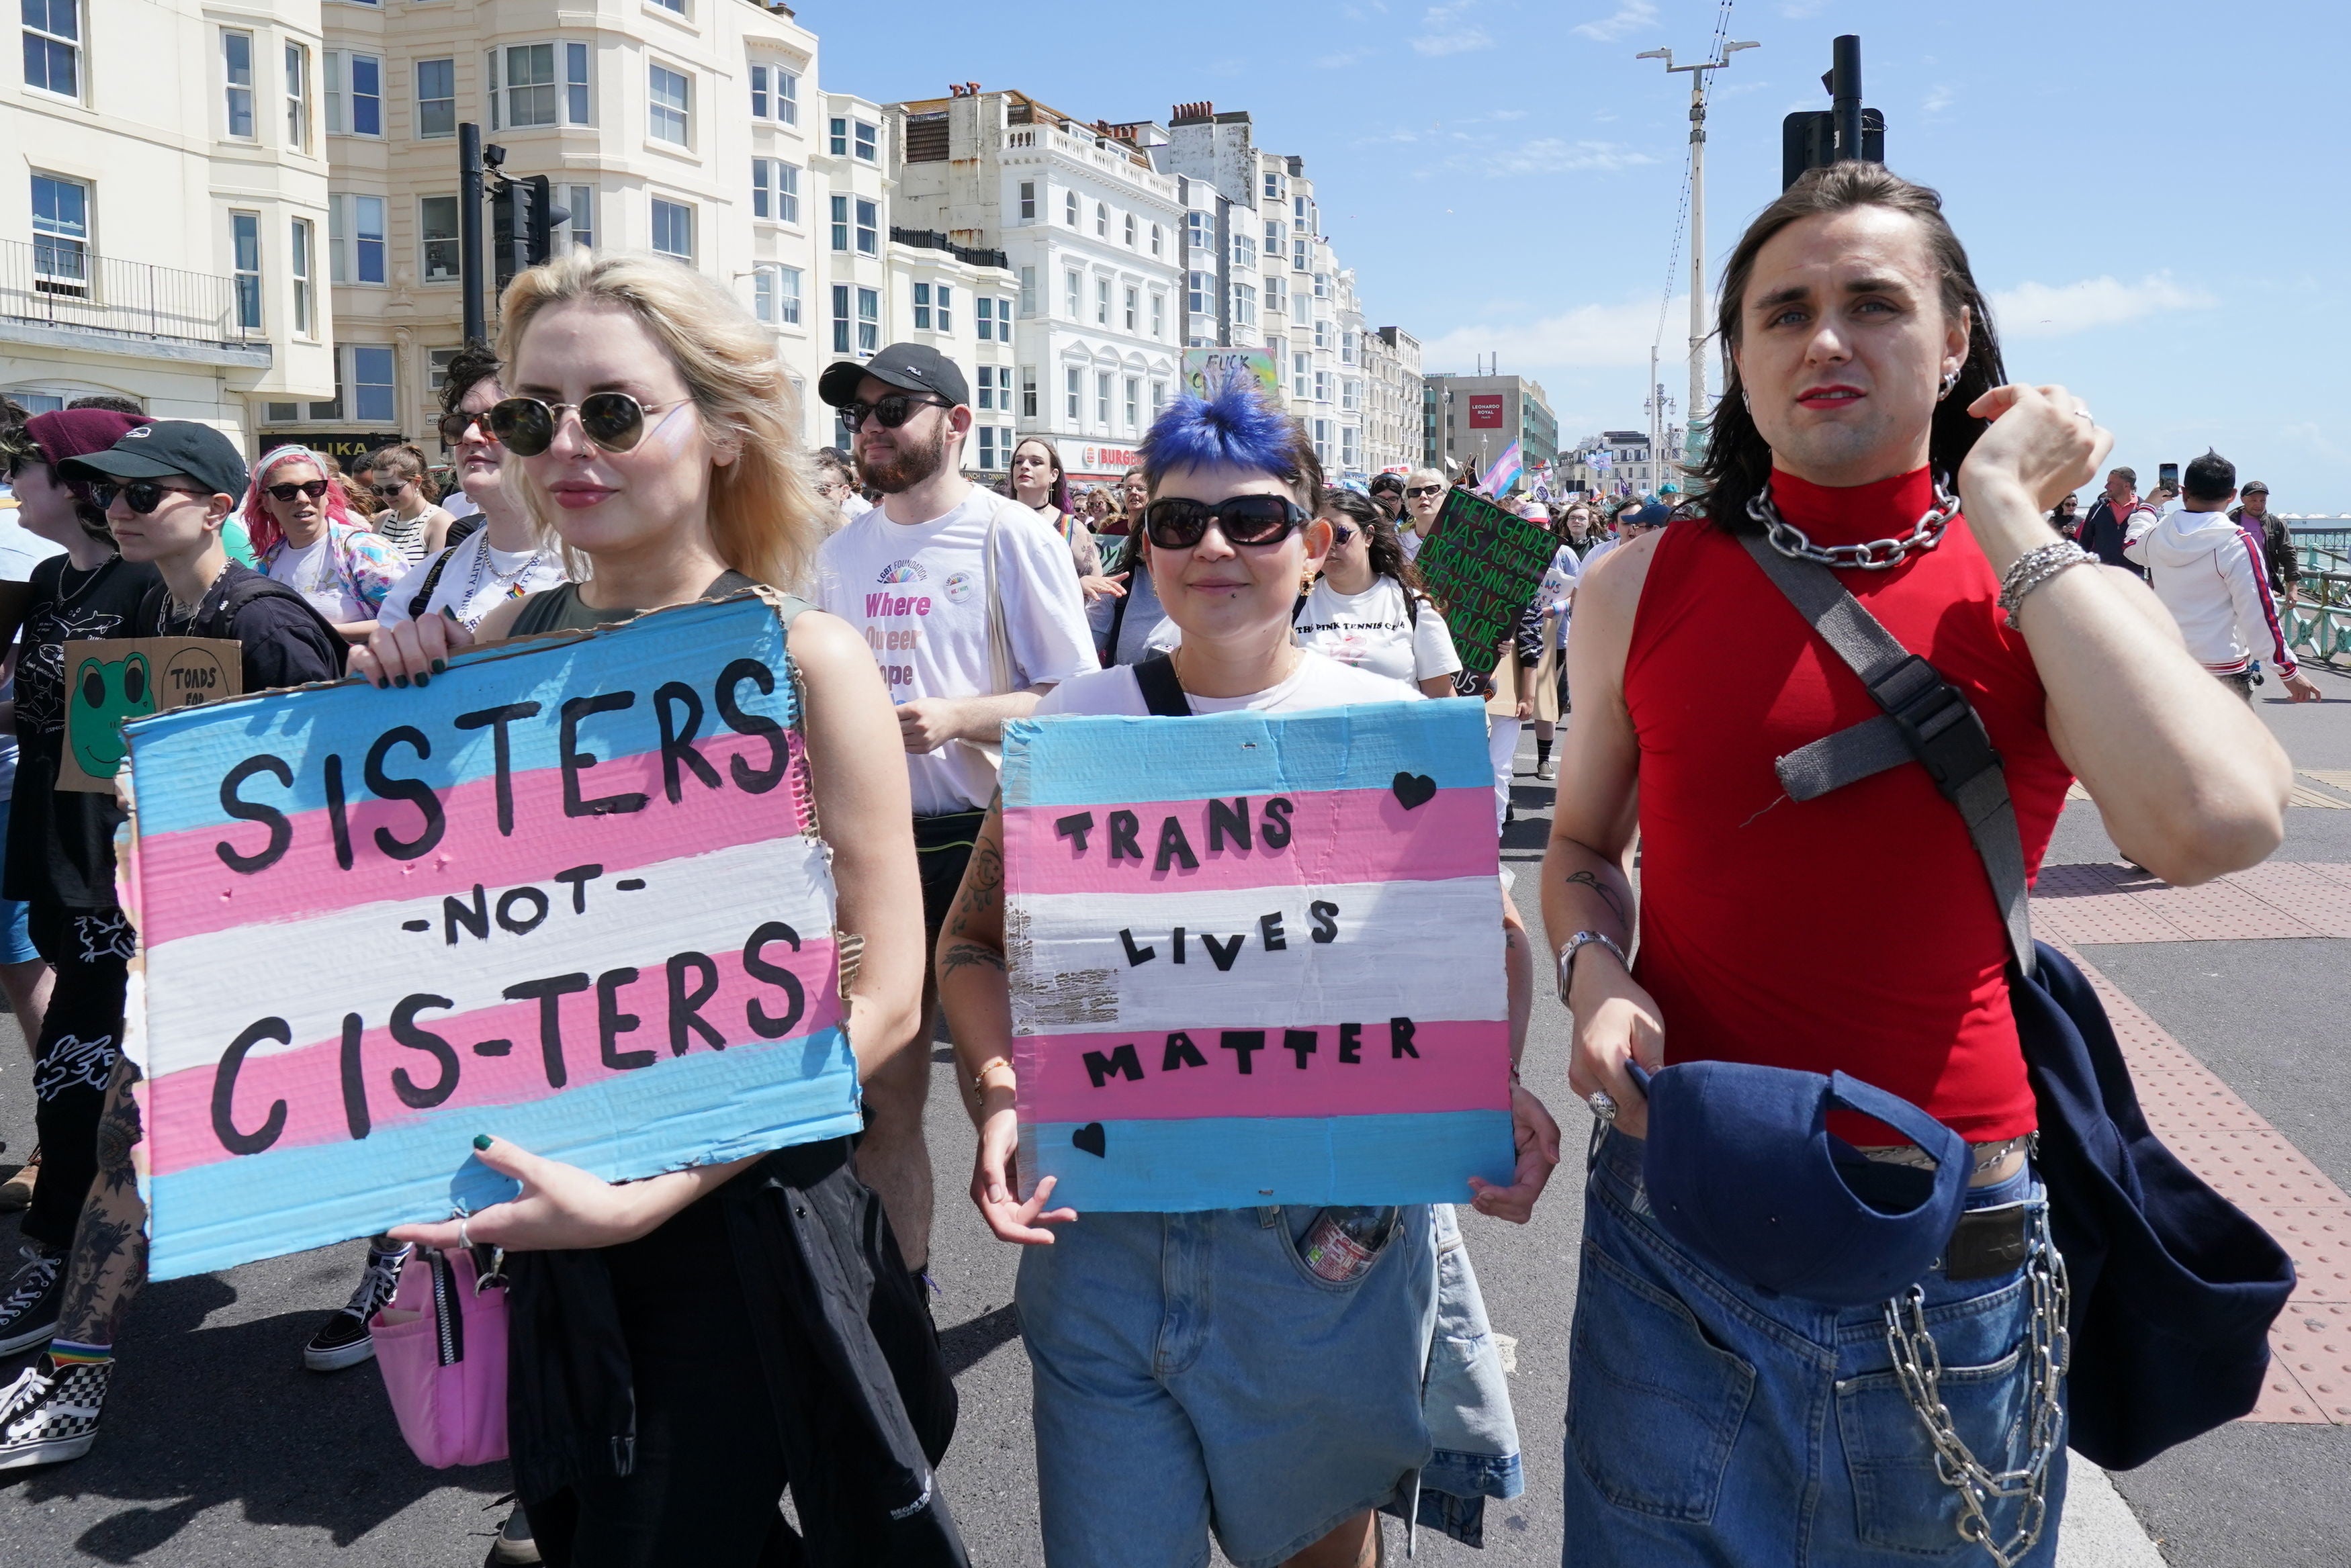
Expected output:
(1387, 494)
(167, 488)
(968, 600)
(2253, 513)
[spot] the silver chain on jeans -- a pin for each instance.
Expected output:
(1918, 1367)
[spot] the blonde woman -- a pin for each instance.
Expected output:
(667, 1376)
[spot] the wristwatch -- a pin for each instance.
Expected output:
(1576, 944)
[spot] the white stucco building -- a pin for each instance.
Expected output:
(1094, 238)
(163, 206)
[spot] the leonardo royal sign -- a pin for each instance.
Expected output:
(572, 894)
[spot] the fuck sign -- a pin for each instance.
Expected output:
(571, 894)
(1257, 959)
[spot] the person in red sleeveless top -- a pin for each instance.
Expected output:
(1709, 1420)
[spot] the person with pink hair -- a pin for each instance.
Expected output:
(305, 537)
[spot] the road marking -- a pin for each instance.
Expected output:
(2245, 1159)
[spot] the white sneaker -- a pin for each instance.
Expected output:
(1546, 769)
(47, 1420)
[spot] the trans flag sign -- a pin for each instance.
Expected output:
(570, 894)
(1257, 959)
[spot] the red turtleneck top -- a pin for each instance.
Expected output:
(1855, 932)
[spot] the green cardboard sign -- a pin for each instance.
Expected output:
(1482, 567)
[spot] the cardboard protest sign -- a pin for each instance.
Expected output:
(570, 894)
(1482, 564)
(1257, 959)
(115, 679)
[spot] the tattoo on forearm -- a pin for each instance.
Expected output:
(970, 955)
(1607, 893)
(983, 888)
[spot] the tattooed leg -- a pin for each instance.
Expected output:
(108, 1265)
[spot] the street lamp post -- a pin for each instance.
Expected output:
(1697, 404)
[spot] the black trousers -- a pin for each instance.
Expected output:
(80, 1036)
(709, 1474)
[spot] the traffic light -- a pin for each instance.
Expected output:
(523, 215)
(1814, 138)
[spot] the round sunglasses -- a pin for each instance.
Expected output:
(313, 488)
(453, 426)
(613, 420)
(1178, 522)
(139, 497)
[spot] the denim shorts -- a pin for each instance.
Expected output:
(16, 926)
(1712, 1423)
(1189, 1372)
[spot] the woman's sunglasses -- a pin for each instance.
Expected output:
(892, 411)
(455, 426)
(389, 491)
(526, 426)
(312, 488)
(1421, 492)
(1178, 523)
(141, 496)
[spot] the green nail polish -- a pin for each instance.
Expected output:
(381, 684)
(423, 679)
(439, 665)
(481, 1140)
(400, 680)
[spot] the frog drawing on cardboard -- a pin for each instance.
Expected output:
(105, 693)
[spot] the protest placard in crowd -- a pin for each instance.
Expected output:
(113, 681)
(1482, 564)
(1257, 959)
(569, 895)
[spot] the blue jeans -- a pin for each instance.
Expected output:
(1712, 1423)
(1189, 1371)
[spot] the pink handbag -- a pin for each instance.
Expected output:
(441, 1344)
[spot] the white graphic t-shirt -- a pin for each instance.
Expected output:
(917, 595)
(1373, 631)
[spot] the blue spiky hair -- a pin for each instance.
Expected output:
(1239, 427)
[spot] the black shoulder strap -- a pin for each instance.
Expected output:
(1298, 607)
(1162, 693)
(1927, 720)
(432, 580)
(248, 585)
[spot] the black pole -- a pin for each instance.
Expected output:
(469, 227)
(1845, 94)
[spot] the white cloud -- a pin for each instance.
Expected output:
(1549, 155)
(1798, 10)
(1589, 337)
(2059, 310)
(1938, 100)
(1630, 18)
(1447, 32)
(1340, 62)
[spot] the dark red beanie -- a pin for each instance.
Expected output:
(78, 433)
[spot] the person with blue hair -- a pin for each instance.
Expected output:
(1163, 1404)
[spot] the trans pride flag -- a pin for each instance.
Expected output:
(569, 894)
(1257, 959)
(1505, 472)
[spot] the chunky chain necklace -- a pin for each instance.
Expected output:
(175, 613)
(1878, 555)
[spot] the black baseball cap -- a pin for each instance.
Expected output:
(910, 367)
(1388, 481)
(2254, 487)
(162, 449)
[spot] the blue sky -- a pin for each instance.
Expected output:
(2154, 193)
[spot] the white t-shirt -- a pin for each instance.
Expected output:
(1317, 682)
(312, 573)
(916, 593)
(1375, 630)
(1559, 580)
(477, 580)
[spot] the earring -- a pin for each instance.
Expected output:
(1950, 380)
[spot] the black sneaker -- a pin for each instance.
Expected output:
(50, 1415)
(342, 1340)
(514, 1544)
(28, 1312)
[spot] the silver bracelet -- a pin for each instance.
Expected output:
(2035, 567)
(1576, 944)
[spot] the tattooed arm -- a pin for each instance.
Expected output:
(108, 1265)
(976, 992)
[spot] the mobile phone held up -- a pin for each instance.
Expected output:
(2167, 476)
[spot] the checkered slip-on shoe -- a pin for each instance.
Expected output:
(49, 1418)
